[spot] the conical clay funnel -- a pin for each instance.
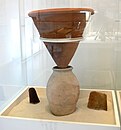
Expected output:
(62, 53)
(61, 23)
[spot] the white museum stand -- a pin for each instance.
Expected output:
(20, 114)
(119, 101)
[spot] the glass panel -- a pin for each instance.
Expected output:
(94, 64)
(23, 57)
(12, 74)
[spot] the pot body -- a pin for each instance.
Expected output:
(62, 91)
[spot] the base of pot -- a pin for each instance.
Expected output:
(59, 111)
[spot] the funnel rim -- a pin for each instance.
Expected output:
(61, 40)
(61, 10)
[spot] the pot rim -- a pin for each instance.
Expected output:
(68, 68)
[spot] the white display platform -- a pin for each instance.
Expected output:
(118, 92)
(20, 114)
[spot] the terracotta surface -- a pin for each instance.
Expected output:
(59, 10)
(62, 91)
(62, 53)
(97, 101)
(60, 22)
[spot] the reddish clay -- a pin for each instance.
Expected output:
(62, 53)
(61, 23)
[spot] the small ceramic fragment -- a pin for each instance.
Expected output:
(97, 101)
(33, 98)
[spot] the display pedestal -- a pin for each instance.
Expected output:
(119, 101)
(20, 114)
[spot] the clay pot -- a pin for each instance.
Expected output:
(62, 91)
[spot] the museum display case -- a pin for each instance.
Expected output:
(38, 116)
(96, 65)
